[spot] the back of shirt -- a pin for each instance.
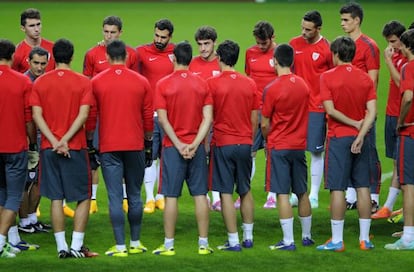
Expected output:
(348, 96)
(235, 97)
(124, 101)
(183, 95)
(15, 111)
(286, 104)
(60, 93)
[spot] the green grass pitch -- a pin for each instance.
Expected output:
(81, 23)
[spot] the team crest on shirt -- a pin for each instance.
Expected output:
(118, 71)
(315, 55)
(349, 69)
(171, 57)
(1, 72)
(61, 73)
(183, 75)
(233, 76)
(215, 73)
(292, 79)
(271, 62)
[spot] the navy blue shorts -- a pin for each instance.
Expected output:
(158, 135)
(259, 141)
(230, 166)
(175, 169)
(13, 173)
(343, 168)
(316, 136)
(391, 136)
(65, 178)
(286, 170)
(405, 160)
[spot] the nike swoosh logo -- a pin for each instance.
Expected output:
(299, 52)
(152, 59)
(196, 73)
(319, 147)
(101, 61)
(253, 60)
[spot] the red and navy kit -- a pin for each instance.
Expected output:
(21, 56)
(62, 85)
(124, 101)
(350, 99)
(310, 61)
(14, 110)
(95, 60)
(286, 103)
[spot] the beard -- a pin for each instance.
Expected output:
(160, 46)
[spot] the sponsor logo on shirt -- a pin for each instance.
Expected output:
(315, 56)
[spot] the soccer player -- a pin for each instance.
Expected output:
(260, 67)
(351, 109)
(285, 116)
(184, 108)
(155, 61)
(95, 61)
(31, 25)
(16, 125)
(122, 92)
(207, 65)
(38, 59)
(394, 59)
(313, 57)
(235, 105)
(405, 148)
(367, 59)
(60, 102)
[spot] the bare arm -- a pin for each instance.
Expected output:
(254, 119)
(168, 129)
(264, 125)
(395, 75)
(373, 74)
(44, 128)
(339, 116)
(203, 130)
(366, 125)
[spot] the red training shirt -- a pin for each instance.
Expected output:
(21, 56)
